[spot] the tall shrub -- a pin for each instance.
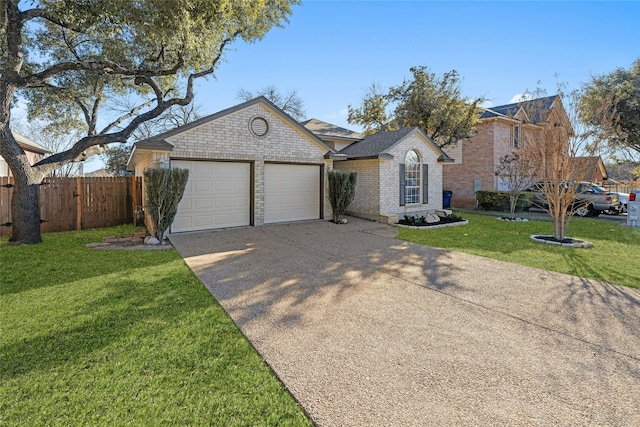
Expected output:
(342, 186)
(165, 188)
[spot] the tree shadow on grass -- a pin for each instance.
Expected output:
(32, 267)
(87, 324)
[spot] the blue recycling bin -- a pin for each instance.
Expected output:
(446, 198)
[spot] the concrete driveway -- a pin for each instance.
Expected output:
(366, 330)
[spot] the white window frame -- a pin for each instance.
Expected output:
(412, 178)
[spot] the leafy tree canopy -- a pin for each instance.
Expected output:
(433, 103)
(71, 59)
(611, 102)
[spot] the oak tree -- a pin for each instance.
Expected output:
(70, 59)
(611, 103)
(433, 103)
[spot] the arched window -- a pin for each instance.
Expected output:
(412, 178)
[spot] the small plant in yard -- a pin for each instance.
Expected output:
(342, 187)
(165, 188)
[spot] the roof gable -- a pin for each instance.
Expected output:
(159, 141)
(589, 164)
(535, 110)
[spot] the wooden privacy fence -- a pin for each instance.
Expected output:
(78, 203)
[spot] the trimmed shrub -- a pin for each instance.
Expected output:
(493, 200)
(165, 188)
(342, 186)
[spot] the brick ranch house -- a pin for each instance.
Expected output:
(501, 130)
(252, 164)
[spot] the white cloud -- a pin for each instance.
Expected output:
(486, 104)
(521, 97)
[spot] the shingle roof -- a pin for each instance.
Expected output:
(324, 129)
(536, 109)
(154, 144)
(376, 144)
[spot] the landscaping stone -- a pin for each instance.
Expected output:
(432, 218)
(503, 218)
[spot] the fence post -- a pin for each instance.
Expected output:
(79, 203)
(134, 198)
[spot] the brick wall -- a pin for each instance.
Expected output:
(478, 157)
(366, 203)
(229, 138)
(378, 189)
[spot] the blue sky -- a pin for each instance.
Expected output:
(331, 51)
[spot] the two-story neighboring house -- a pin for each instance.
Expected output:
(34, 151)
(501, 130)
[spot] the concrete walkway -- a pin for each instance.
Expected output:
(366, 330)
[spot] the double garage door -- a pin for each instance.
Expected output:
(218, 194)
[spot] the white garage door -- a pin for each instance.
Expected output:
(217, 196)
(291, 192)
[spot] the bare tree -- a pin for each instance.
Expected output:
(289, 102)
(515, 171)
(551, 148)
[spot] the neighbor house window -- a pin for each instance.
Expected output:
(411, 178)
(515, 136)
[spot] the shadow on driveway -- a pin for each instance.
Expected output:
(367, 330)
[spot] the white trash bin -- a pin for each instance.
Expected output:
(633, 214)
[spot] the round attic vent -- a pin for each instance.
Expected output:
(259, 126)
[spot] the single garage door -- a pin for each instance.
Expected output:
(291, 192)
(217, 196)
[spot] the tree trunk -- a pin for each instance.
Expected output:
(561, 223)
(25, 213)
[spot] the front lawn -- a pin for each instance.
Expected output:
(107, 338)
(613, 258)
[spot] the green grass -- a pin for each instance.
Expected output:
(111, 338)
(614, 257)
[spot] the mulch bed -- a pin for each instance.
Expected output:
(133, 241)
(431, 224)
(567, 241)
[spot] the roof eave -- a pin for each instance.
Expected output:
(381, 156)
(445, 159)
(147, 145)
(335, 156)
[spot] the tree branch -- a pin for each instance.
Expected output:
(105, 66)
(126, 116)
